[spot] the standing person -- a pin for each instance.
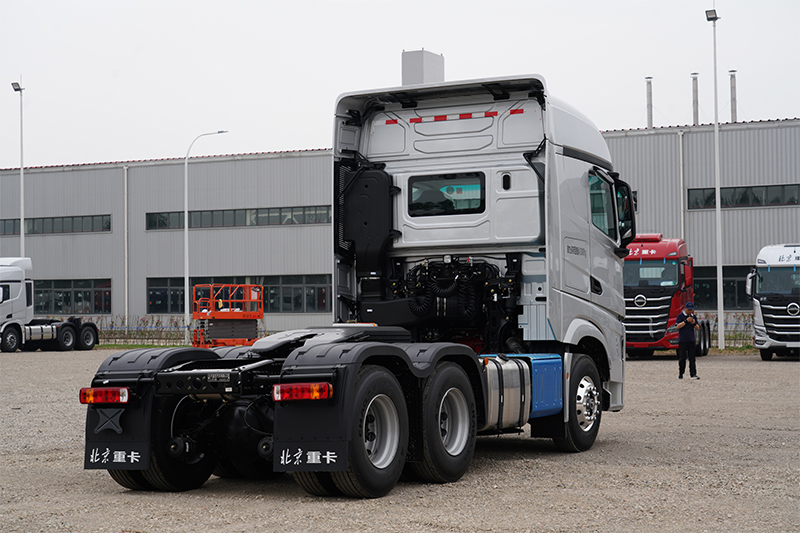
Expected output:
(687, 324)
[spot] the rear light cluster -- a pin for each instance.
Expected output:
(105, 395)
(286, 392)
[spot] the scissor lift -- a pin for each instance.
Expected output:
(227, 315)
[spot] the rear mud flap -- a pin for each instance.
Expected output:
(118, 438)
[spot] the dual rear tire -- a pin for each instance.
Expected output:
(379, 439)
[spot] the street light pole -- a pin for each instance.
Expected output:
(186, 295)
(18, 88)
(711, 16)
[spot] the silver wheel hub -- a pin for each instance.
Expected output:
(454, 421)
(381, 431)
(587, 403)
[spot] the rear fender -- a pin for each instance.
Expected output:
(118, 437)
(314, 429)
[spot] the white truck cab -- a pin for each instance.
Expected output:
(774, 286)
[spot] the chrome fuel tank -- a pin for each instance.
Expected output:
(508, 391)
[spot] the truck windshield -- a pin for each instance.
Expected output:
(777, 280)
(651, 273)
(446, 194)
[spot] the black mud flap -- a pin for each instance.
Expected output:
(118, 438)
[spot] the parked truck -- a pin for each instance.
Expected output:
(20, 330)
(774, 286)
(659, 281)
(479, 234)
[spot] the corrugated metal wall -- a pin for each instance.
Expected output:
(753, 153)
(288, 179)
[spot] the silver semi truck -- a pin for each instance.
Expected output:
(479, 233)
(18, 327)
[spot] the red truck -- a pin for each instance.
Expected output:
(659, 280)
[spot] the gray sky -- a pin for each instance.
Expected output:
(127, 80)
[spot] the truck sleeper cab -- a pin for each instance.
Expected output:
(479, 231)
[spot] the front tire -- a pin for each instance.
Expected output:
(449, 425)
(10, 340)
(584, 405)
(766, 355)
(379, 439)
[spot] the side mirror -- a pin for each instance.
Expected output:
(627, 222)
(748, 284)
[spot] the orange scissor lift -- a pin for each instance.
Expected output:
(227, 315)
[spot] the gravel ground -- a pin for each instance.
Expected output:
(718, 454)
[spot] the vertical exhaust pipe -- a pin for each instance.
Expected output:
(733, 95)
(649, 81)
(695, 102)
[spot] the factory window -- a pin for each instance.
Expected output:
(296, 294)
(733, 281)
(72, 297)
(757, 196)
(282, 294)
(269, 216)
(50, 225)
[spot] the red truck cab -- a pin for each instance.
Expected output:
(659, 281)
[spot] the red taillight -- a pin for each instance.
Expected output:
(286, 392)
(105, 395)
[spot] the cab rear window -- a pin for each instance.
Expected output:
(447, 194)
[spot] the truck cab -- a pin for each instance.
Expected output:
(16, 299)
(659, 281)
(484, 212)
(774, 286)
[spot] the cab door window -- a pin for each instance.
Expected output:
(601, 198)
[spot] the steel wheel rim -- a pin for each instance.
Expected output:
(381, 431)
(587, 403)
(88, 337)
(454, 421)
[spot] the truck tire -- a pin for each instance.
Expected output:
(766, 355)
(10, 340)
(87, 338)
(705, 328)
(584, 404)
(317, 483)
(449, 425)
(226, 470)
(66, 338)
(379, 436)
(172, 418)
(130, 479)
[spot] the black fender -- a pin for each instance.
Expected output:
(114, 432)
(324, 426)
